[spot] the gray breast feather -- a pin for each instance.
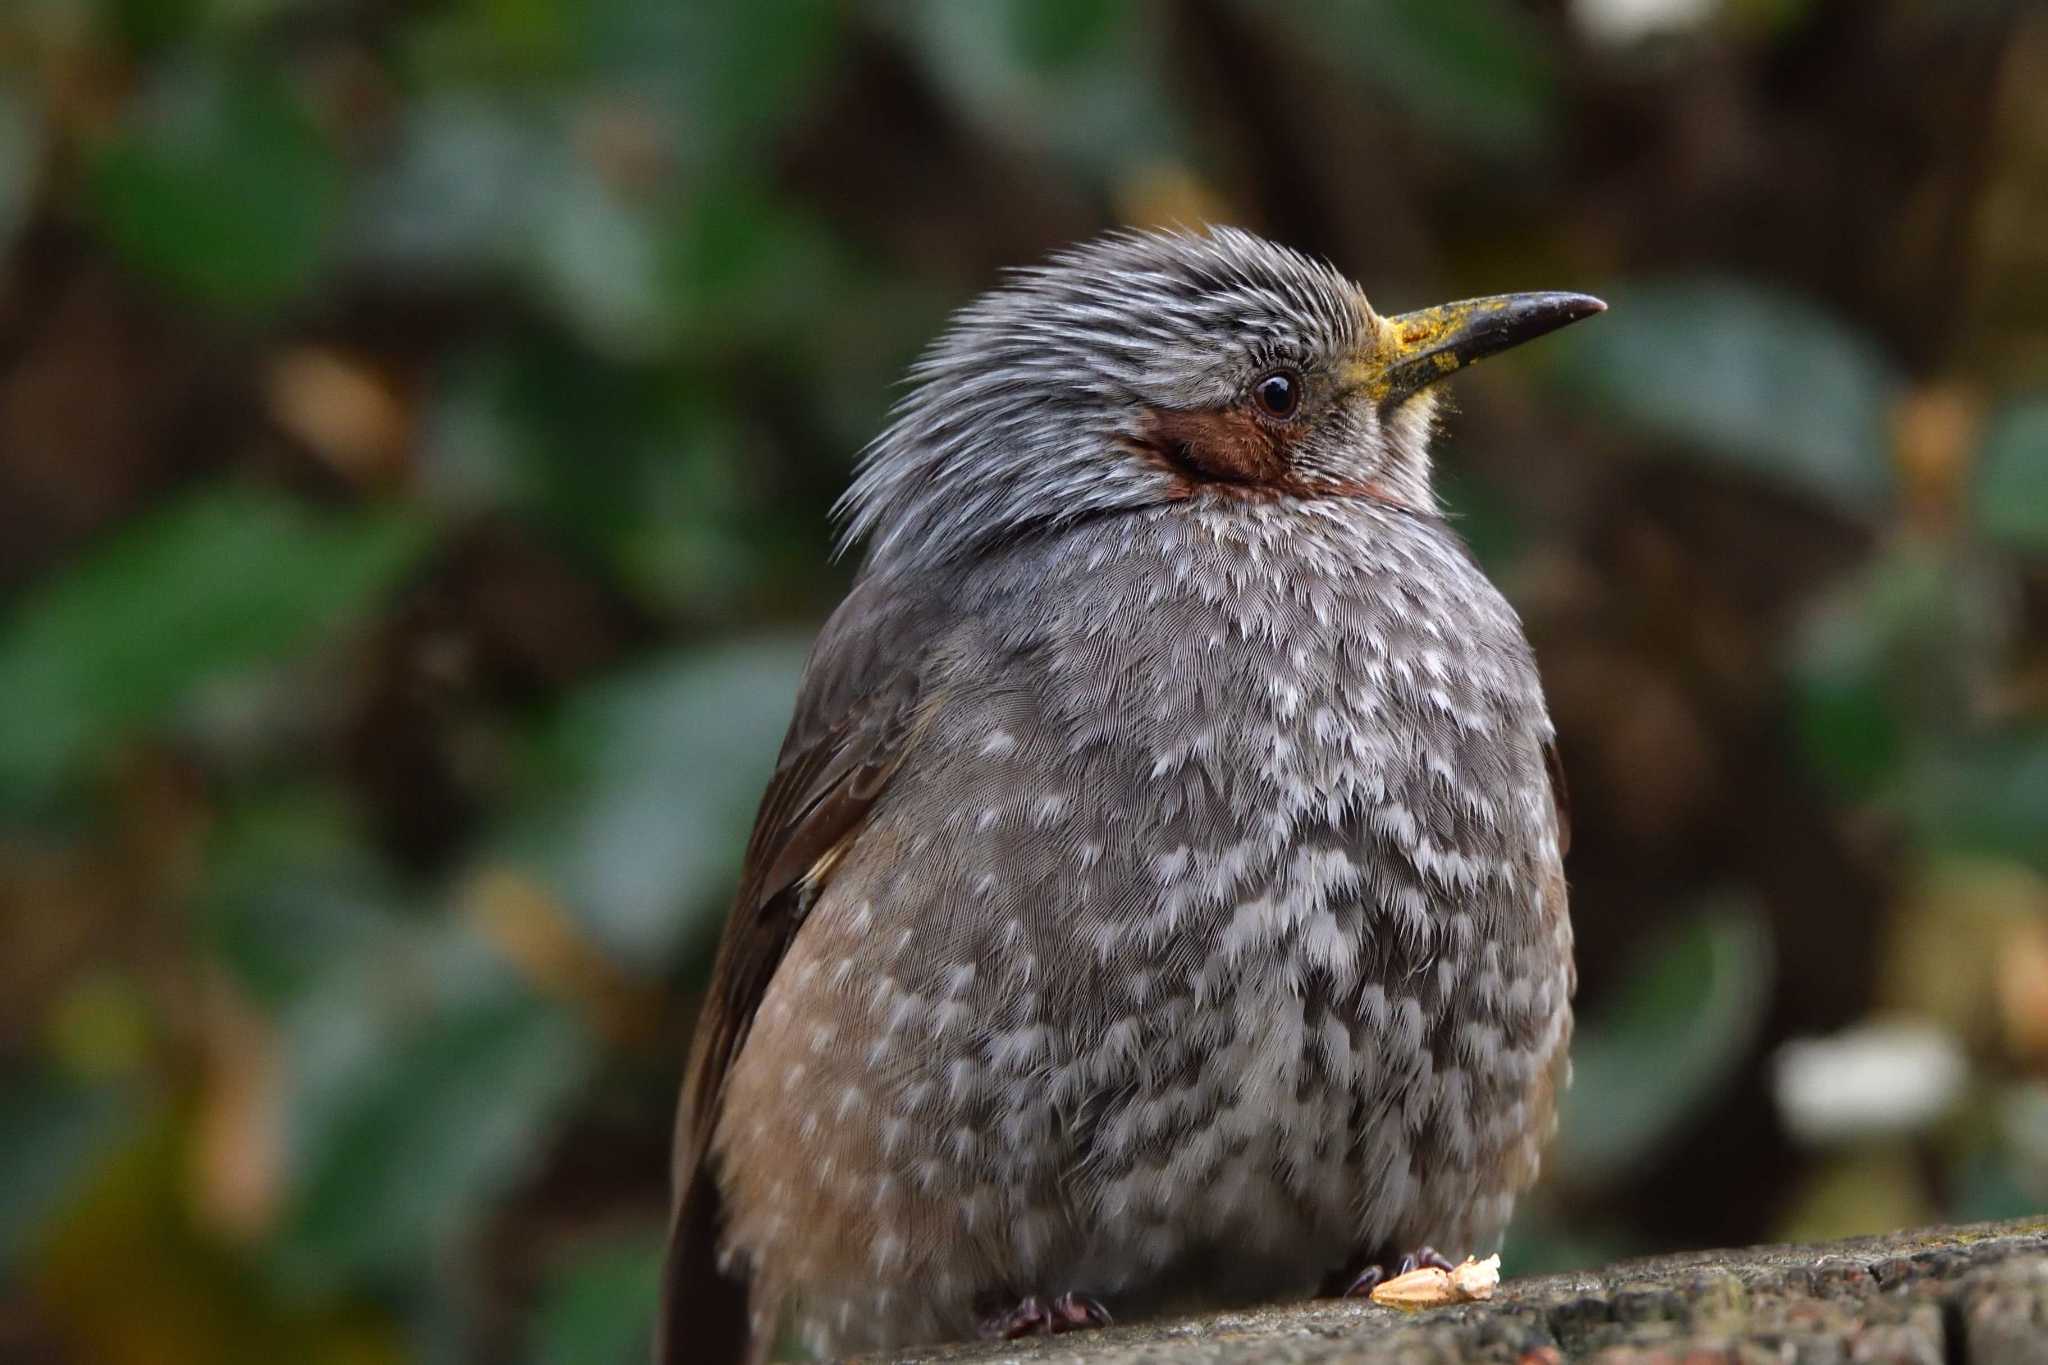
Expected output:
(1228, 864)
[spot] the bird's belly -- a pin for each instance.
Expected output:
(1256, 1140)
(1209, 1129)
(1215, 1168)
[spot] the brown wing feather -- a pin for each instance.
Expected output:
(856, 718)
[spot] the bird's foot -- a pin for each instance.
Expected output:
(1378, 1272)
(1035, 1317)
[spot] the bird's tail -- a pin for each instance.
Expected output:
(703, 1314)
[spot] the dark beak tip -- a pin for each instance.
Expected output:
(1573, 307)
(1529, 316)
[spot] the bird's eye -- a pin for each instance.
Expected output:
(1278, 394)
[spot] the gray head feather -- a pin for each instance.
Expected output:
(1027, 412)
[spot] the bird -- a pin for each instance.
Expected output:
(1158, 901)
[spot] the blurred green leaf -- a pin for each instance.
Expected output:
(1474, 70)
(1850, 724)
(224, 579)
(291, 890)
(1745, 378)
(150, 25)
(450, 201)
(743, 268)
(157, 26)
(1884, 665)
(1847, 724)
(21, 153)
(424, 1079)
(596, 257)
(663, 768)
(221, 185)
(684, 551)
(638, 470)
(535, 34)
(725, 75)
(599, 1306)
(1682, 1021)
(479, 186)
(1053, 77)
(2012, 477)
(1986, 795)
(1052, 33)
(52, 1131)
(749, 64)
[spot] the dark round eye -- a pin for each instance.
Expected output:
(1278, 394)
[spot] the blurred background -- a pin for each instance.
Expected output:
(418, 424)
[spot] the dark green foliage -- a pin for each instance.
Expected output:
(418, 430)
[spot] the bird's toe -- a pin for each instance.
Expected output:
(1033, 1316)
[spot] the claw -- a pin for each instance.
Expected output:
(1379, 1272)
(1367, 1281)
(1033, 1317)
(1028, 1318)
(1426, 1258)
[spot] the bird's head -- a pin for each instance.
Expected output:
(1156, 367)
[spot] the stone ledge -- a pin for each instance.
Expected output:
(1975, 1295)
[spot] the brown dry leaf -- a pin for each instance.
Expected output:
(1426, 1287)
(238, 1142)
(1947, 945)
(538, 935)
(344, 410)
(1934, 431)
(1429, 1287)
(2023, 989)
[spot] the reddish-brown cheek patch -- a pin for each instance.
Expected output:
(1233, 452)
(1224, 444)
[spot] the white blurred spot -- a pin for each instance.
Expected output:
(1621, 22)
(1872, 1080)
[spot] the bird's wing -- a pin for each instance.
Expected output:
(857, 715)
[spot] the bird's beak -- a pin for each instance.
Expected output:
(1414, 350)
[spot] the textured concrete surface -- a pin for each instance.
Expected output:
(1973, 1295)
